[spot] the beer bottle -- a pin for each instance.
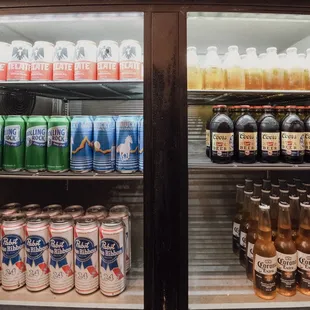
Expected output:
(237, 219)
(307, 187)
(280, 113)
(291, 189)
(274, 210)
(244, 227)
(248, 185)
(208, 122)
(284, 195)
(265, 257)
(303, 250)
(266, 197)
(282, 183)
(237, 113)
(275, 189)
(267, 184)
(307, 139)
(252, 236)
(298, 183)
(302, 194)
(286, 253)
(294, 211)
(257, 189)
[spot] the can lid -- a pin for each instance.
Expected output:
(32, 206)
(284, 204)
(96, 209)
(37, 218)
(119, 209)
(52, 207)
(21, 42)
(73, 208)
(62, 42)
(85, 219)
(133, 41)
(10, 206)
(14, 217)
(85, 42)
(64, 218)
(110, 222)
(107, 41)
(43, 42)
(58, 116)
(264, 207)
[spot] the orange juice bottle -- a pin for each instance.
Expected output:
(283, 72)
(262, 60)
(294, 69)
(307, 70)
(252, 70)
(194, 72)
(273, 73)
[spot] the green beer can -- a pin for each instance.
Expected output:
(58, 149)
(36, 135)
(1, 139)
(14, 143)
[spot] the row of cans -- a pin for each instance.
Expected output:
(83, 143)
(66, 250)
(66, 61)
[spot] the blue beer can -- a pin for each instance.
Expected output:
(104, 144)
(141, 145)
(127, 158)
(81, 150)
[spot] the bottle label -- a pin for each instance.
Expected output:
(293, 143)
(265, 273)
(236, 235)
(222, 144)
(286, 271)
(249, 261)
(242, 243)
(58, 136)
(207, 137)
(248, 143)
(12, 135)
(270, 143)
(303, 270)
(307, 142)
(36, 136)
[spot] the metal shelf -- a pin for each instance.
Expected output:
(86, 90)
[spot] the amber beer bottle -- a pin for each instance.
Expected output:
(303, 250)
(208, 122)
(265, 257)
(286, 253)
(274, 211)
(294, 212)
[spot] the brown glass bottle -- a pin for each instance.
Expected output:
(267, 184)
(294, 211)
(208, 136)
(265, 197)
(301, 112)
(286, 253)
(265, 258)
(302, 194)
(292, 188)
(248, 185)
(257, 189)
(280, 113)
(298, 182)
(275, 189)
(284, 195)
(274, 210)
(307, 139)
(237, 113)
(282, 183)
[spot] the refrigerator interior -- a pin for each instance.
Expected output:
(216, 279)
(76, 98)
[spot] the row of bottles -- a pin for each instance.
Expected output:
(271, 230)
(269, 71)
(269, 139)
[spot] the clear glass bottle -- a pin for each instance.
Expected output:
(275, 189)
(274, 211)
(294, 211)
(273, 73)
(258, 189)
(302, 194)
(302, 60)
(266, 197)
(252, 70)
(284, 195)
(307, 70)
(194, 72)
(283, 64)
(294, 70)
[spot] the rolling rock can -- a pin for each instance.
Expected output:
(58, 144)
(122, 212)
(81, 147)
(127, 144)
(86, 254)
(14, 143)
(4, 58)
(31, 209)
(61, 254)
(130, 60)
(85, 66)
(37, 262)
(112, 257)
(42, 61)
(98, 211)
(36, 135)
(10, 208)
(1, 139)
(141, 143)
(19, 66)
(75, 211)
(13, 251)
(108, 60)
(104, 144)
(53, 210)
(63, 66)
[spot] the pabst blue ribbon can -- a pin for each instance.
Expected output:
(61, 254)
(108, 61)
(86, 255)
(104, 144)
(141, 143)
(98, 211)
(19, 65)
(31, 209)
(42, 61)
(75, 211)
(53, 210)
(37, 261)
(4, 58)
(13, 251)
(10, 208)
(127, 160)
(63, 66)
(112, 257)
(85, 66)
(130, 60)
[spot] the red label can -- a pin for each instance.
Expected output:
(4, 58)
(108, 60)
(63, 66)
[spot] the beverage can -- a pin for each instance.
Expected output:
(104, 144)
(86, 255)
(112, 257)
(19, 66)
(75, 211)
(61, 254)
(37, 264)
(4, 58)
(10, 208)
(98, 211)
(42, 61)
(13, 251)
(31, 209)
(14, 143)
(81, 147)
(108, 60)
(36, 135)
(127, 144)
(53, 210)
(63, 66)
(141, 143)
(1, 139)
(85, 67)
(58, 144)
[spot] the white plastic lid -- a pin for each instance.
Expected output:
(291, 50)
(233, 48)
(271, 49)
(251, 50)
(212, 49)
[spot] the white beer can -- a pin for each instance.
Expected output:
(4, 58)
(130, 60)
(108, 60)
(75, 211)
(98, 211)
(37, 261)
(122, 212)
(85, 60)
(10, 208)
(53, 210)
(42, 61)
(112, 257)
(86, 254)
(19, 65)
(13, 251)
(61, 254)
(31, 209)
(63, 66)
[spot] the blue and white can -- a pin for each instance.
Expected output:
(104, 144)
(141, 144)
(127, 160)
(81, 147)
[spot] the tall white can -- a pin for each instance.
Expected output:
(63, 66)
(4, 58)
(85, 67)
(108, 60)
